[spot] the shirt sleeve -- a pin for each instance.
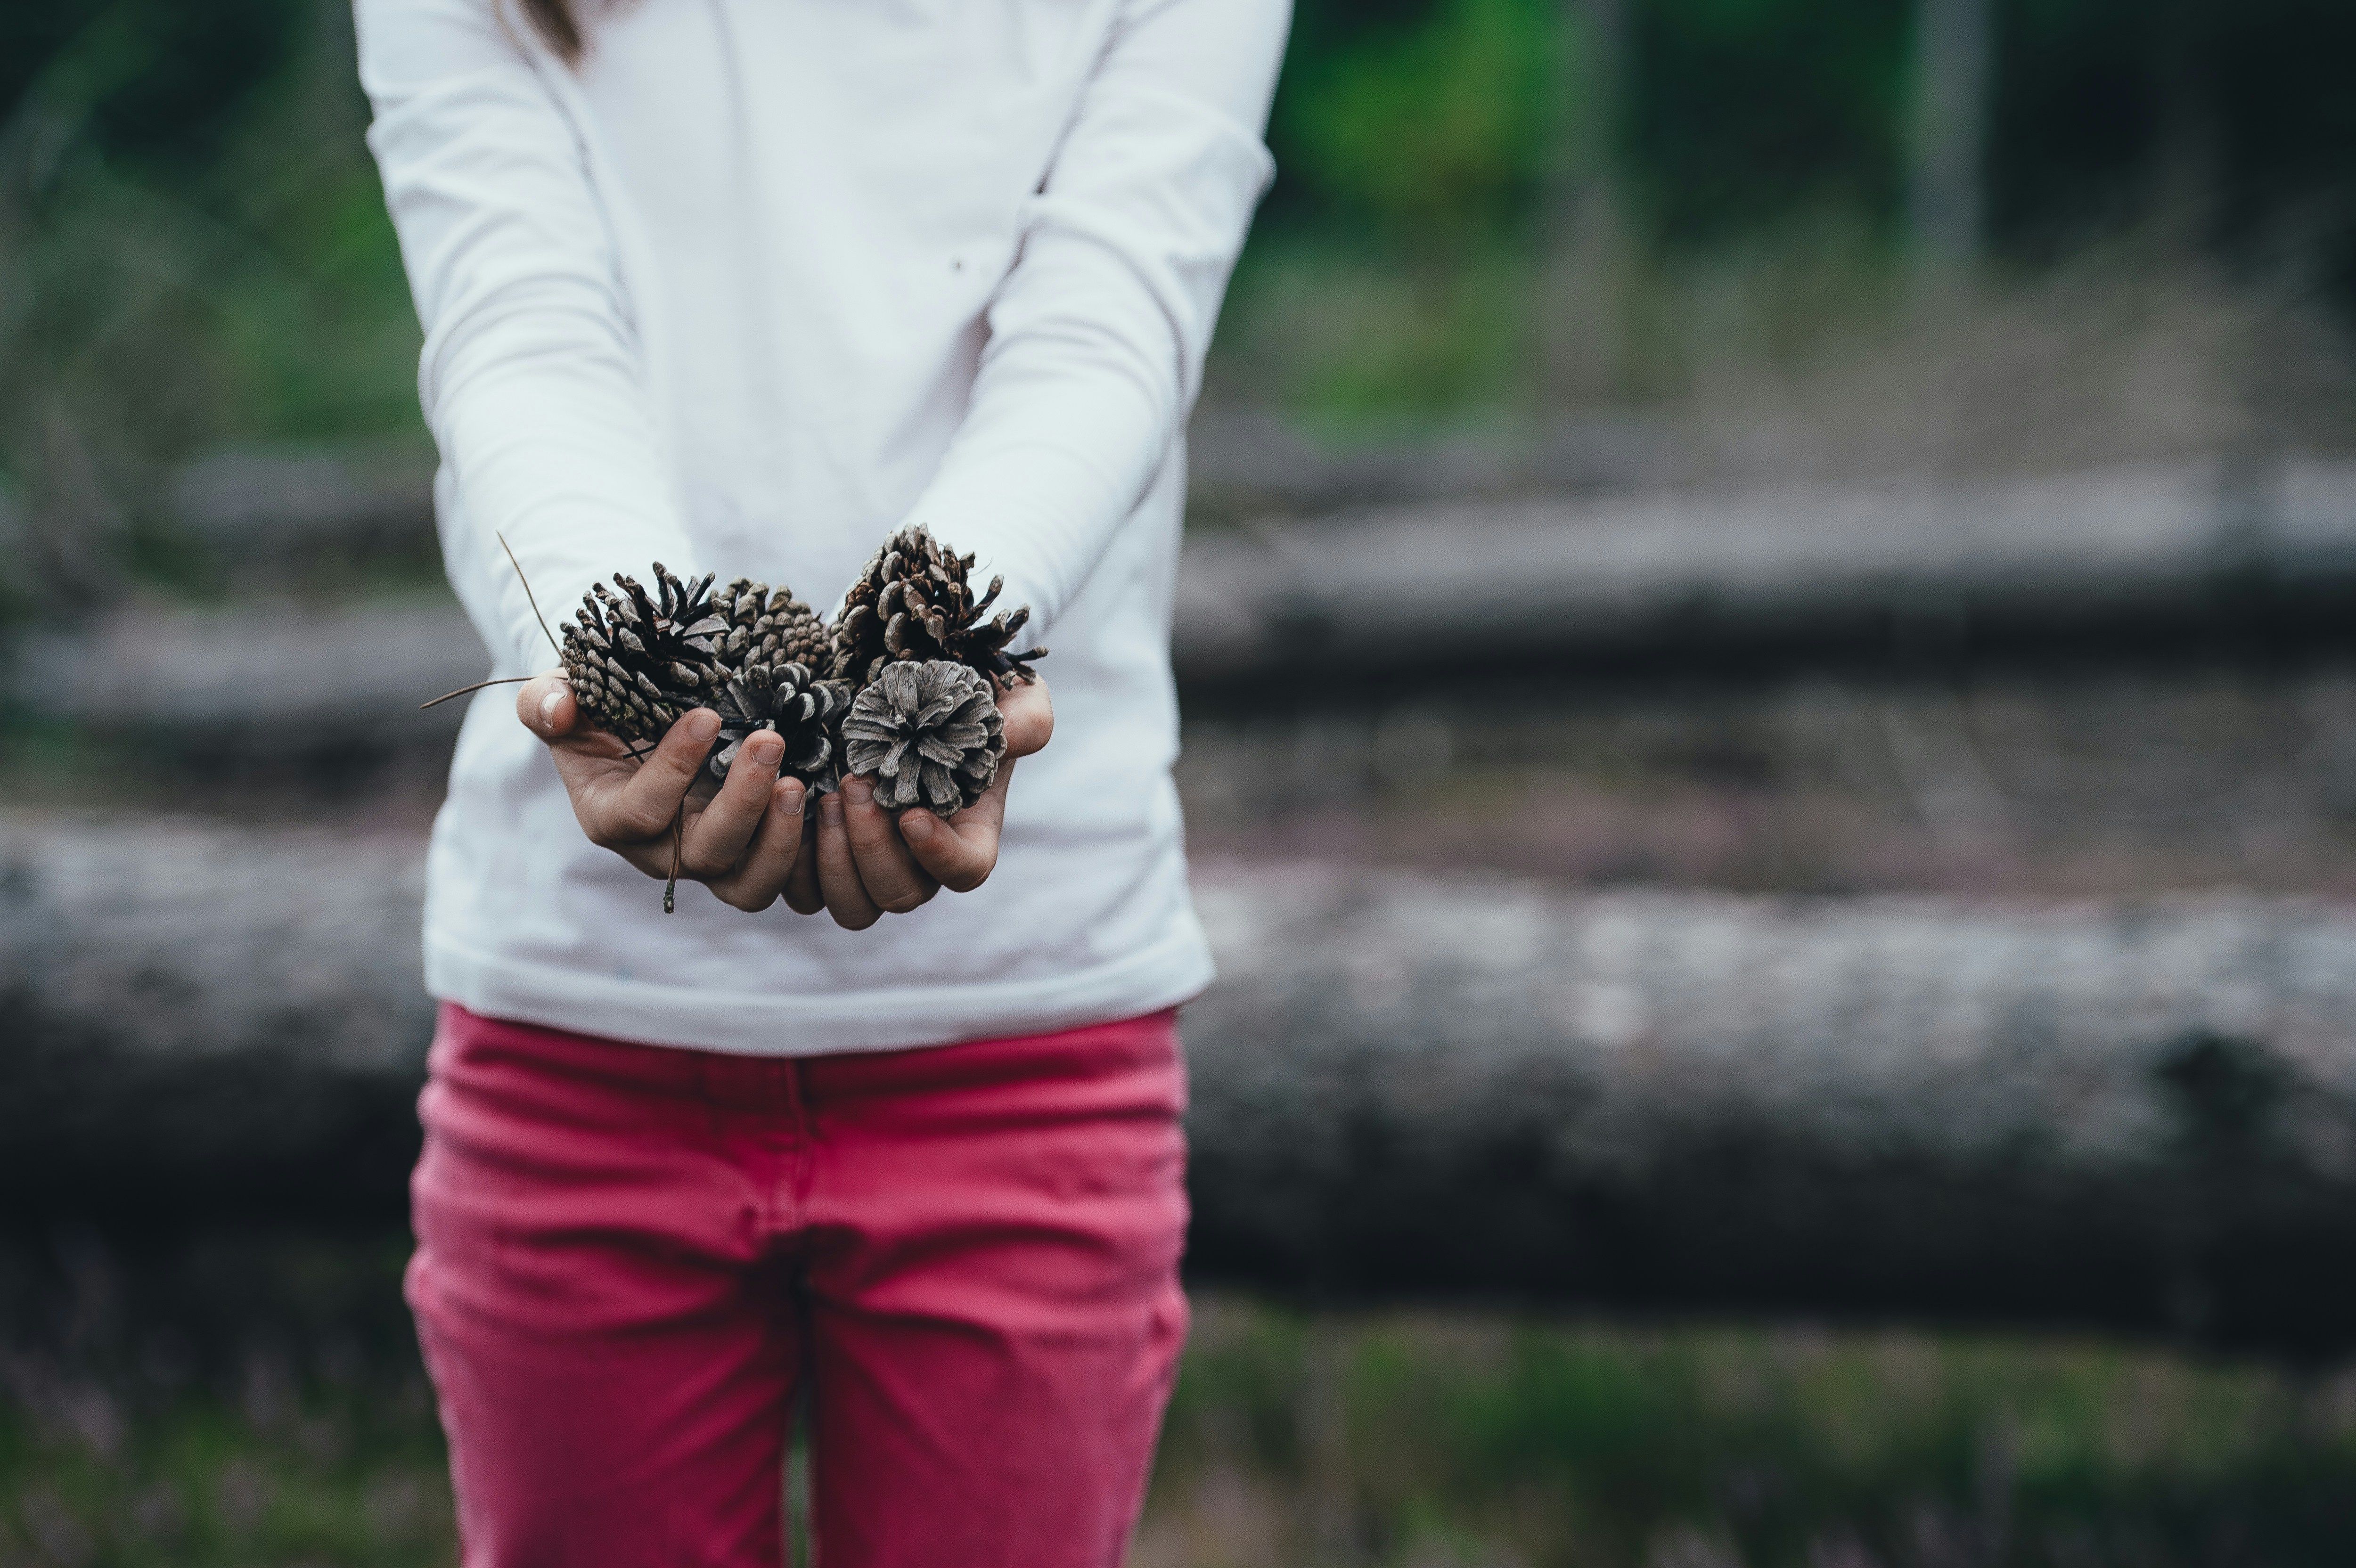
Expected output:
(532, 379)
(1096, 336)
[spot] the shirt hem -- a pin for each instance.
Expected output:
(1171, 971)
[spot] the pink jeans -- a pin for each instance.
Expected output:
(629, 1257)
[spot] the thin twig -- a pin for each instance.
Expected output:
(670, 888)
(495, 680)
(528, 597)
(678, 821)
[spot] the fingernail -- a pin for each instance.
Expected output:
(792, 796)
(830, 809)
(702, 724)
(547, 706)
(765, 750)
(858, 791)
(918, 826)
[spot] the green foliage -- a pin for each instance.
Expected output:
(1434, 117)
(159, 84)
(1325, 329)
(286, 1475)
(193, 249)
(1743, 111)
(1435, 128)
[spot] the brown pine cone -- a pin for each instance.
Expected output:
(770, 628)
(636, 661)
(914, 601)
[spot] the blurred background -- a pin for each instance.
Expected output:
(1869, 481)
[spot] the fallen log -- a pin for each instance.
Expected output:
(257, 505)
(249, 505)
(2137, 1118)
(259, 680)
(200, 1021)
(1935, 574)
(2130, 560)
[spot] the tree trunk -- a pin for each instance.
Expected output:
(2138, 1118)
(1946, 191)
(2110, 563)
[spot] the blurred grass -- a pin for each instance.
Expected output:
(1809, 352)
(257, 1403)
(1339, 332)
(343, 1476)
(1428, 1441)
(176, 274)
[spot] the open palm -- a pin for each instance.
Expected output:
(749, 838)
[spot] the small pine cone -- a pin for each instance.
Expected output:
(930, 733)
(786, 699)
(913, 601)
(637, 661)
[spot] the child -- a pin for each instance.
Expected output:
(743, 286)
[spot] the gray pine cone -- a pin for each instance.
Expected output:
(788, 699)
(930, 733)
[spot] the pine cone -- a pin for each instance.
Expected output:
(930, 733)
(913, 603)
(787, 699)
(770, 628)
(637, 662)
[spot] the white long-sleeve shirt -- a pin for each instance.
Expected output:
(756, 283)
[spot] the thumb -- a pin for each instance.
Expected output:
(653, 792)
(544, 706)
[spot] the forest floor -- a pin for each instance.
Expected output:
(253, 1402)
(2083, 783)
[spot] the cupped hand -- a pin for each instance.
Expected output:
(743, 840)
(868, 864)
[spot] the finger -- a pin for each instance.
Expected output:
(838, 878)
(776, 850)
(802, 895)
(651, 856)
(961, 852)
(891, 876)
(716, 839)
(545, 707)
(1030, 717)
(643, 804)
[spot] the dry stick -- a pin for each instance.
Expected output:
(677, 822)
(495, 680)
(530, 599)
(639, 752)
(670, 888)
